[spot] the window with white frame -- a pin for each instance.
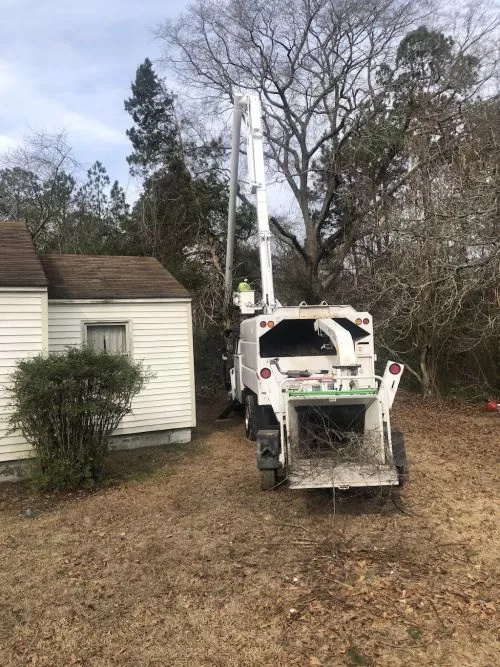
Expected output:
(109, 337)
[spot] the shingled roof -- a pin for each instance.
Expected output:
(20, 266)
(109, 277)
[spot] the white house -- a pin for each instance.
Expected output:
(23, 320)
(129, 305)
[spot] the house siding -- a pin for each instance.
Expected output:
(23, 334)
(160, 334)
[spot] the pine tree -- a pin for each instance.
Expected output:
(155, 134)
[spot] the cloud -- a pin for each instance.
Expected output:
(68, 65)
(27, 107)
(7, 81)
(92, 128)
(7, 143)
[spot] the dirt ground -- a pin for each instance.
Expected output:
(188, 563)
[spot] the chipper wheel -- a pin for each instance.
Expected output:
(267, 479)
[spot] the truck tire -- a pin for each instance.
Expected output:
(267, 479)
(251, 421)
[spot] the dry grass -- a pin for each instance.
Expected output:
(192, 565)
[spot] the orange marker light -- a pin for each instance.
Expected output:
(358, 320)
(270, 324)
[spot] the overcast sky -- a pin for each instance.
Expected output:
(68, 64)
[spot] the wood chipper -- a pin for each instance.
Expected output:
(305, 374)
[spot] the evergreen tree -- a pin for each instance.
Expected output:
(119, 209)
(155, 134)
(180, 217)
(92, 197)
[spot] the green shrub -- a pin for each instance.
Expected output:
(67, 405)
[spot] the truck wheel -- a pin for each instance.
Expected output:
(267, 479)
(251, 425)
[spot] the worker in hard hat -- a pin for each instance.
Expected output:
(244, 286)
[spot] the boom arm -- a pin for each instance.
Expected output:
(256, 172)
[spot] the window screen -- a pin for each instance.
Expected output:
(110, 338)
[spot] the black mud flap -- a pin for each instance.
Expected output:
(268, 449)
(398, 448)
(399, 454)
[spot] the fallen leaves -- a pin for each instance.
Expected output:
(222, 574)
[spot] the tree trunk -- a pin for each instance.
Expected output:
(429, 372)
(313, 287)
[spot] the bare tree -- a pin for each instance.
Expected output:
(37, 181)
(325, 71)
(433, 277)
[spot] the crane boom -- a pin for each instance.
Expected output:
(233, 193)
(256, 173)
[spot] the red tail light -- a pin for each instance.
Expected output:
(395, 369)
(265, 373)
